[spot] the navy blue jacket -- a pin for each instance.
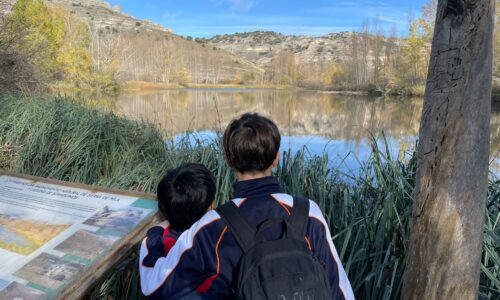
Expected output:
(208, 249)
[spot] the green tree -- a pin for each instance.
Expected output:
(73, 56)
(36, 32)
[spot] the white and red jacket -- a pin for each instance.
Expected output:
(206, 254)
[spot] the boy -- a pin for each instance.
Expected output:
(208, 248)
(184, 195)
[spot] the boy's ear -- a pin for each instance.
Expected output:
(276, 160)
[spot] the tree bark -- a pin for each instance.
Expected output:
(448, 216)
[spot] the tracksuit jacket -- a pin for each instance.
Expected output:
(207, 253)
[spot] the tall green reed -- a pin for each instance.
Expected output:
(368, 213)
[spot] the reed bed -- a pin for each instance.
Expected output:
(368, 213)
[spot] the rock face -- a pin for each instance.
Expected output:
(260, 46)
(96, 13)
(101, 15)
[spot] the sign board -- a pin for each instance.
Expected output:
(57, 239)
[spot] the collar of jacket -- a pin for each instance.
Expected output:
(256, 187)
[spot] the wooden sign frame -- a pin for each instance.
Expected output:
(96, 272)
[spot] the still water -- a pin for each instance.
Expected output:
(341, 125)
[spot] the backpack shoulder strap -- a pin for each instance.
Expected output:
(299, 217)
(243, 232)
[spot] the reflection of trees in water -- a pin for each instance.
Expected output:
(333, 116)
(297, 113)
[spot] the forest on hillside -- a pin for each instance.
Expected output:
(376, 60)
(47, 47)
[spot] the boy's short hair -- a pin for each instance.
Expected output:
(185, 194)
(251, 143)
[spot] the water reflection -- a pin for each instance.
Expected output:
(297, 113)
(338, 123)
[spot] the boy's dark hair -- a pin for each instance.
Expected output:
(251, 143)
(185, 194)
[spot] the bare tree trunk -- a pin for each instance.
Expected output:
(448, 218)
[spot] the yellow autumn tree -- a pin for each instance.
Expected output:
(334, 75)
(74, 57)
(416, 52)
(181, 75)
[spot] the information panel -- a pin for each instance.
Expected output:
(51, 235)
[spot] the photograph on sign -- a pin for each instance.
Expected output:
(120, 219)
(86, 244)
(19, 291)
(49, 271)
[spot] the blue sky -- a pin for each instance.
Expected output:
(205, 18)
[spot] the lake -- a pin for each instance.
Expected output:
(341, 125)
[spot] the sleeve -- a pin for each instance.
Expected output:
(323, 247)
(153, 247)
(186, 266)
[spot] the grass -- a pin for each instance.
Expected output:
(367, 213)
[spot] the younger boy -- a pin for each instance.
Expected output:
(184, 195)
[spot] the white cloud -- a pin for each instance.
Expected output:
(391, 20)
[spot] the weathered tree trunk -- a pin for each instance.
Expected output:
(446, 239)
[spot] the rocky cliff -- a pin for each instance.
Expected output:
(260, 46)
(101, 15)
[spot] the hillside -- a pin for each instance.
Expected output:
(139, 50)
(261, 46)
(101, 15)
(343, 60)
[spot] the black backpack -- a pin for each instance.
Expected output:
(283, 269)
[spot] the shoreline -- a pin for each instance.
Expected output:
(135, 86)
(144, 86)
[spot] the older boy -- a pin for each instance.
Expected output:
(208, 248)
